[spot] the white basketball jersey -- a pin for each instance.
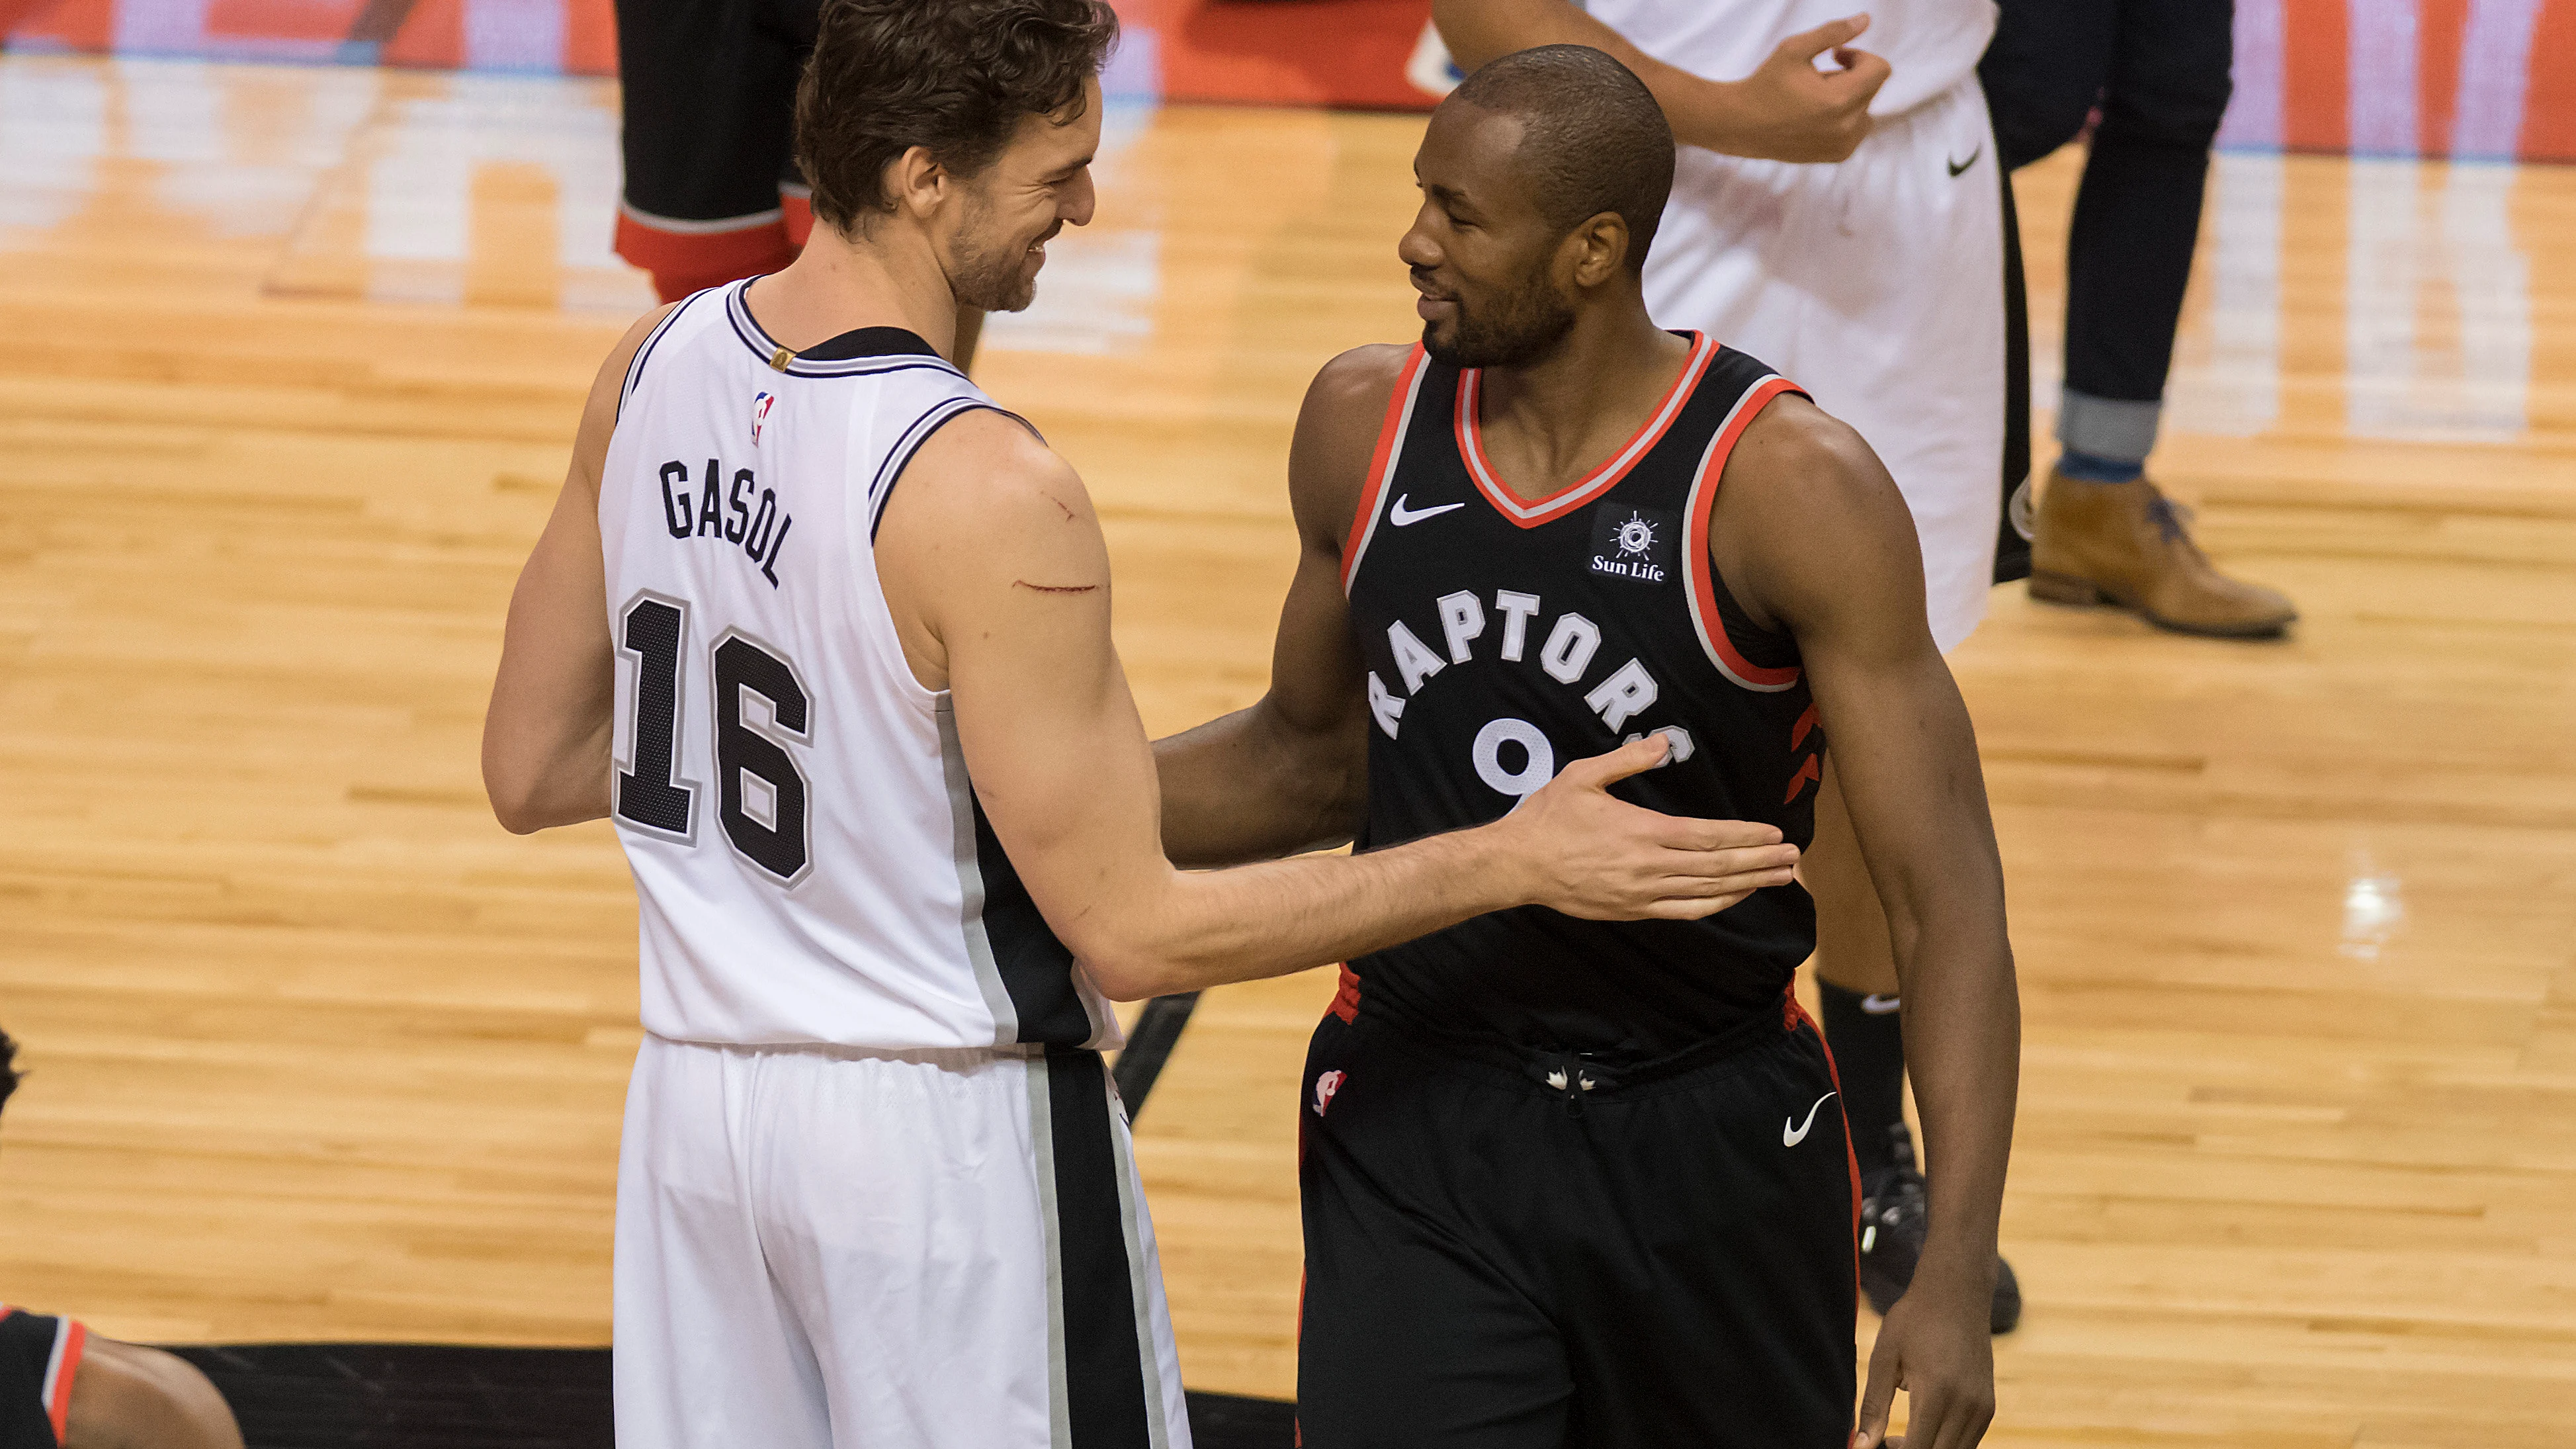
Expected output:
(1929, 45)
(811, 865)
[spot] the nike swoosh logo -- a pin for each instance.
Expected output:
(1877, 1005)
(1960, 167)
(1792, 1136)
(1402, 515)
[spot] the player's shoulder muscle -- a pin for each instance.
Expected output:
(1805, 510)
(1337, 432)
(984, 487)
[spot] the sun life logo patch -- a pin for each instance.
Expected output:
(1632, 543)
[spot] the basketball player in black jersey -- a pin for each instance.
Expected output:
(1578, 1183)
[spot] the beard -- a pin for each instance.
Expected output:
(991, 273)
(1519, 327)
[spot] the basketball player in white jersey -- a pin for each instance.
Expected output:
(1876, 279)
(826, 635)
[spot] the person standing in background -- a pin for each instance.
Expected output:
(707, 119)
(2158, 71)
(1876, 281)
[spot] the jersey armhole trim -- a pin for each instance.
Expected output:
(899, 458)
(61, 1368)
(635, 366)
(1381, 469)
(1699, 572)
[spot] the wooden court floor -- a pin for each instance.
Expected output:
(289, 361)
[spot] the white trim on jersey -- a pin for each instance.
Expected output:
(54, 1362)
(1531, 512)
(679, 226)
(1698, 571)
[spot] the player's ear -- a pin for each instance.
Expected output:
(1598, 249)
(916, 181)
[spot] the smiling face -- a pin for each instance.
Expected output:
(1481, 252)
(996, 238)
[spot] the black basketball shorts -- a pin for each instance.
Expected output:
(709, 101)
(39, 1358)
(1499, 1257)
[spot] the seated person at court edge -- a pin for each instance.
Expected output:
(63, 1388)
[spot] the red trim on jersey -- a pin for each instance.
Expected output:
(1797, 1017)
(1806, 722)
(1533, 512)
(1346, 1002)
(1807, 770)
(1381, 469)
(1697, 569)
(58, 1407)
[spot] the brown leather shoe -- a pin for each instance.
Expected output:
(2124, 544)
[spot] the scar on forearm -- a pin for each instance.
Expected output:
(1054, 588)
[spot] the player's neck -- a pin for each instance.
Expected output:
(837, 285)
(1548, 423)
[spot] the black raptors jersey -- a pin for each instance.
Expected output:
(1505, 638)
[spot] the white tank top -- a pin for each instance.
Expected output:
(1929, 45)
(811, 865)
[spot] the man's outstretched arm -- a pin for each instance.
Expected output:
(1814, 533)
(1013, 620)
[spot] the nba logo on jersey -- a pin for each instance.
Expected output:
(760, 405)
(1632, 543)
(1325, 1086)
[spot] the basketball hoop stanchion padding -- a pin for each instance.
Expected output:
(1149, 1045)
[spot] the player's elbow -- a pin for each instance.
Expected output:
(513, 793)
(1131, 974)
(1127, 958)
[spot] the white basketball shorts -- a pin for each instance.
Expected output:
(1876, 285)
(825, 1249)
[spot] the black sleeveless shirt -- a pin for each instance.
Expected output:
(1505, 639)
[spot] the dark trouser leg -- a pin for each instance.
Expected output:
(2041, 74)
(2137, 222)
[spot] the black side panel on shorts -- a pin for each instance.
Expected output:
(26, 1342)
(1104, 1372)
(1037, 969)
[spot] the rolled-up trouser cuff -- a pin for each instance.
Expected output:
(2122, 431)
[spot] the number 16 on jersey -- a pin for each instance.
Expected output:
(760, 792)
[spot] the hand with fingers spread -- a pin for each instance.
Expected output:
(1936, 1345)
(1592, 855)
(1788, 110)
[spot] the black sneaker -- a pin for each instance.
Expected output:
(1891, 1238)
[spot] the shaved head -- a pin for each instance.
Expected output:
(1592, 137)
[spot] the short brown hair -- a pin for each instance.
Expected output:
(951, 76)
